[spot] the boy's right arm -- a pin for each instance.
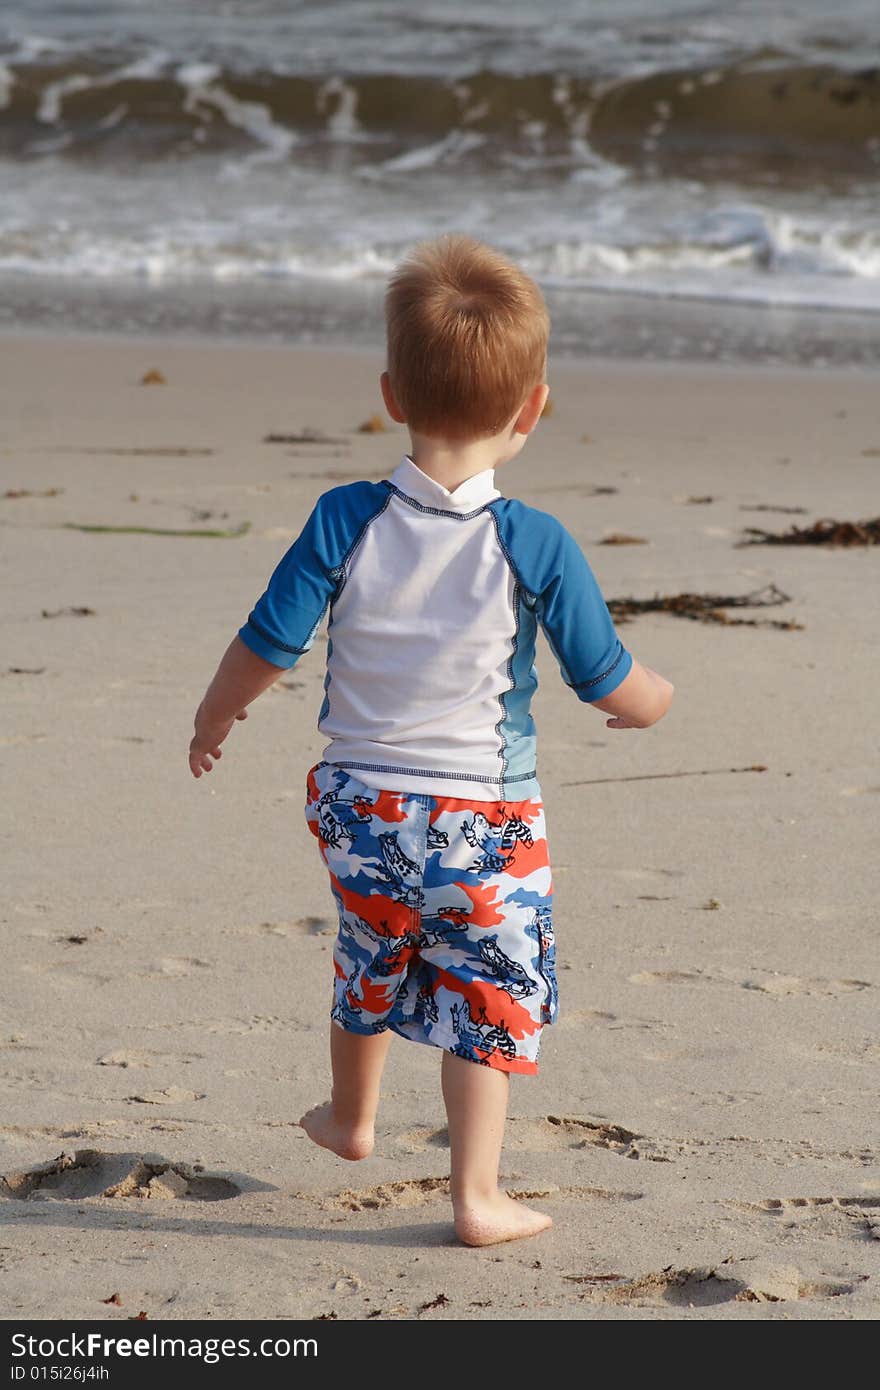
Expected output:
(640, 700)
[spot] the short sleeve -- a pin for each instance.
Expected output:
(285, 619)
(579, 629)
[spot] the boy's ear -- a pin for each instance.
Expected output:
(531, 411)
(391, 405)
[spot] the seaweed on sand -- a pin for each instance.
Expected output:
(707, 608)
(826, 531)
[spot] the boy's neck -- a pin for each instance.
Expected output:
(452, 464)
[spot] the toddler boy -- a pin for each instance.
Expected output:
(426, 805)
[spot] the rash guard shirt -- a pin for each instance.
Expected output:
(435, 600)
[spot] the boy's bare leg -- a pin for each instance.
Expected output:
(476, 1107)
(345, 1122)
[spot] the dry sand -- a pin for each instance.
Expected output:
(704, 1127)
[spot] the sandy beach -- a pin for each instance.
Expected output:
(704, 1127)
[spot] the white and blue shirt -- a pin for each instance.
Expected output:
(435, 599)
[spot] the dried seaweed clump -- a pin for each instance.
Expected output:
(707, 608)
(827, 531)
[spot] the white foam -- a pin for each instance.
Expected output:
(196, 74)
(49, 109)
(71, 219)
(274, 141)
(114, 117)
(30, 46)
(53, 94)
(450, 148)
(343, 124)
(834, 249)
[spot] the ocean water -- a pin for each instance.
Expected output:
(269, 152)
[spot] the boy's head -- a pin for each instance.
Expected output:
(467, 341)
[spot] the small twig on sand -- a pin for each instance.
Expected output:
(768, 507)
(159, 530)
(160, 451)
(304, 436)
(655, 776)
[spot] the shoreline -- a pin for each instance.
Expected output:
(160, 341)
(587, 325)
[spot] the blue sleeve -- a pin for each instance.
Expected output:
(567, 601)
(284, 621)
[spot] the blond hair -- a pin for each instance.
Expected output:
(467, 338)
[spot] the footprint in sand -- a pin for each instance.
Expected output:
(177, 965)
(412, 1192)
(777, 985)
(304, 926)
(144, 1057)
(345, 1281)
(705, 1287)
(68, 973)
(91, 1173)
(418, 1141)
(526, 1135)
(257, 1023)
(592, 1018)
(169, 1095)
(835, 1215)
(571, 1193)
(782, 985)
(572, 1132)
(671, 977)
(420, 1192)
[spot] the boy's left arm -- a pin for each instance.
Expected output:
(239, 679)
(281, 627)
(284, 622)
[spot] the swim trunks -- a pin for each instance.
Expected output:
(445, 923)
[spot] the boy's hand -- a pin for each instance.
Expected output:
(206, 741)
(639, 701)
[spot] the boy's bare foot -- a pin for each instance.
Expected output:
(321, 1127)
(500, 1218)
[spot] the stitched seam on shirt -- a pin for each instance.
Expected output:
(432, 772)
(537, 607)
(519, 590)
(499, 727)
(504, 550)
(529, 599)
(340, 574)
(340, 571)
(437, 511)
(585, 685)
(279, 646)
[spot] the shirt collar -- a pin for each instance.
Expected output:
(473, 493)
